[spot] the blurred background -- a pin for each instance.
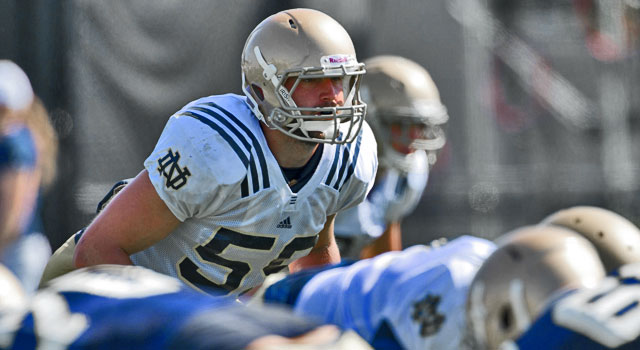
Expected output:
(543, 95)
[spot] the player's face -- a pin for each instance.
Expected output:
(324, 92)
(402, 136)
(320, 92)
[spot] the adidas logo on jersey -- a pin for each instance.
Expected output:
(286, 223)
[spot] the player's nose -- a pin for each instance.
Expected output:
(331, 91)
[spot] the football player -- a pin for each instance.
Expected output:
(464, 294)
(409, 299)
(406, 116)
(604, 317)
(131, 307)
(28, 149)
(239, 187)
(530, 266)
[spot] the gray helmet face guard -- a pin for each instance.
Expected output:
(338, 125)
(431, 116)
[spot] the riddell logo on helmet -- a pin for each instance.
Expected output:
(338, 59)
(335, 61)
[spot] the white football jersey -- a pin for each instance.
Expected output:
(240, 220)
(420, 293)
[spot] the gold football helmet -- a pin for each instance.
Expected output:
(404, 110)
(616, 238)
(302, 44)
(513, 285)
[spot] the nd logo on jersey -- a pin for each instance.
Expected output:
(176, 177)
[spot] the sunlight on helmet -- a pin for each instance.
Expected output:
(293, 48)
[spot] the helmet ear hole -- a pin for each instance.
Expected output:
(506, 319)
(257, 91)
(514, 254)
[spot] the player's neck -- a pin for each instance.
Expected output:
(289, 152)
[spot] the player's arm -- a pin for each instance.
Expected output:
(18, 192)
(134, 220)
(324, 252)
(390, 240)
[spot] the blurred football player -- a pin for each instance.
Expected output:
(464, 294)
(28, 149)
(406, 116)
(409, 299)
(131, 307)
(531, 265)
(615, 237)
(240, 187)
(604, 317)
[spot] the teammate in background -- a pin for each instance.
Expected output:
(131, 307)
(406, 116)
(604, 317)
(416, 298)
(615, 237)
(28, 150)
(240, 187)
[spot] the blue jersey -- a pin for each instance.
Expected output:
(605, 317)
(412, 299)
(128, 307)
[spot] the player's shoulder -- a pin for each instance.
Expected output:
(472, 245)
(457, 259)
(227, 115)
(461, 246)
(230, 106)
(214, 137)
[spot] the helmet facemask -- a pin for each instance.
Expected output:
(407, 130)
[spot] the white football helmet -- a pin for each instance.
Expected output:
(302, 44)
(616, 238)
(404, 110)
(530, 265)
(15, 88)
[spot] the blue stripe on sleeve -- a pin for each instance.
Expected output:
(254, 141)
(222, 133)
